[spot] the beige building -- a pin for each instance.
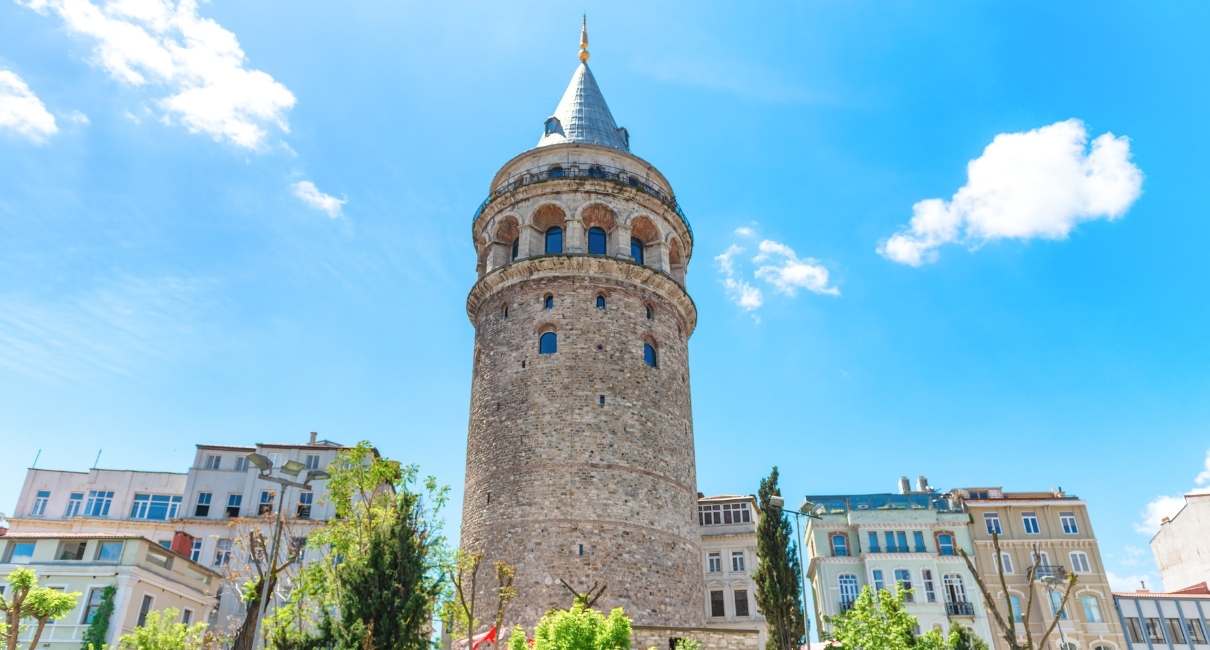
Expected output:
(1051, 530)
(1182, 545)
(728, 525)
(146, 578)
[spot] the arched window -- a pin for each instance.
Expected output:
(1015, 601)
(555, 171)
(848, 590)
(636, 249)
(505, 311)
(1056, 605)
(955, 592)
(600, 301)
(548, 302)
(548, 343)
(840, 545)
(1092, 609)
(650, 312)
(554, 240)
(597, 240)
(649, 356)
(516, 245)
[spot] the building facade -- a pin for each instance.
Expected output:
(580, 454)
(1165, 620)
(145, 577)
(728, 529)
(897, 541)
(206, 513)
(1052, 532)
(1182, 545)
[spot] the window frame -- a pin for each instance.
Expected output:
(548, 343)
(600, 301)
(102, 544)
(552, 241)
(234, 500)
(879, 579)
(195, 549)
(903, 584)
(310, 502)
(738, 563)
(1030, 520)
(721, 603)
(98, 503)
(11, 556)
(991, 520)
(638, 251)
(41, 500)
(651, 355)
(741, 596)
(75, 505)
(145, 605)
(600, 234)
(841, 549)
(1093, 614)
(198, 504)
(850, 588)
(941, 546)
(80, 547)
(1079, 562)
(714, 562)
(1006, 563)
(930, 588)
(1069, 523)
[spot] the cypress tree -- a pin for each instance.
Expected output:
(778, 574)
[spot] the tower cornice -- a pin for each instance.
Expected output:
(607, 268)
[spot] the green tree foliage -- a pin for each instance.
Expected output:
(688, 644)
(98, 629)
(28, 600)
(879, 620)
(163, 631)
(778, 575)
(578, 628)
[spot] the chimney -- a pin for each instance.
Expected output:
(922, 483)
(905, 485)
(314, 437)
(182, 543)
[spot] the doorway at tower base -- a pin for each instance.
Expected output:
(661, 638)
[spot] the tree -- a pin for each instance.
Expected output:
(1005, 618)
(266, 568)
(163, 631)
(578, 628)
(778, 574)
(505, 593)
(460, 610)
(28, 600)
(880, 621)
(98, 628)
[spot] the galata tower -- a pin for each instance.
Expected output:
(579, 459)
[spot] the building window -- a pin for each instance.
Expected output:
(312, 461)
(1175, 633)
(872, 537)
(75, 502)
(737, 560)
(512, 255)
(1079, 562)
(650, 312)
(144, 609)
(1015, 603)
(95, 596)
(40, 500)
(930, 590)
(98, 503)
(597, 240)
(222, 552)
(195, 549)
(1029, 521)
(715, 514)
(213, 462)
(202, 509)
(71, 551)
(955, 591)
(109, 552)
(918, 540)
(265, 507)
(879, 585)
(945, 544)
(1056, 605)
(992, 521)
(1006, 563)
(636, 250)
(555, 171)
(714, 562)
(901, 541)
(186, 616)
(717, 604)
(548, 302)
(19, 553)
(234, 501)
(241, 463)
(548, 343)
(157, 507)
(741, 602)
(903, 582)
(889, 536)
(1197, 634)
(1154, 633)
(848, 590)
(600, 301)
(840, 544)
(554, 240)
(1134, 630)
(304, 504)
(1092, 609)
(1068, 521)
(649, 355)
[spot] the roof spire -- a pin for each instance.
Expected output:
(584, 39)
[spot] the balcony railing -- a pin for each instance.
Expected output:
(961, 608)
(846, 604)
(1056, 571)
(615, 175)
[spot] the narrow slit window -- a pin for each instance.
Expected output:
(649, 355)
(548, 343)
(548, 302)
(600, 302)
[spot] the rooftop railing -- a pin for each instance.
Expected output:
(606, 173)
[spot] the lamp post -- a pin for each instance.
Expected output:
(778, 502)
(1051, 580)
(291, 468)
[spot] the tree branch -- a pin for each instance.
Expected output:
(1071, 584)
(1009, 635)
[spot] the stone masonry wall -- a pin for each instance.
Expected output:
(711, 639)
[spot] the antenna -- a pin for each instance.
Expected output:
(36, 457)
(98, 459)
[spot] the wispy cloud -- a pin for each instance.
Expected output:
(1132, 582)
(730, 75)
(1166, 506)
(308, 193)
(776, 264)
(1036, 184)
(194, 66)
(21, 111)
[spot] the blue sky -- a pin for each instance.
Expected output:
(253, 222)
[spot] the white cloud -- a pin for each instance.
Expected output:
(744, 231)
(22, 111)
(1131, 582)
(309, 194)
(781, 267)
(740, 292)
(1168, 505)
(1203, 479)
(1036, 184)
(194, 65)
(77, 117)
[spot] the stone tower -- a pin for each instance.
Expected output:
(580, 459)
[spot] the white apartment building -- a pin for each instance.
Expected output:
(1182, 545)
(906, 541)
(205, 514)
(728, 527)
(1153, 620)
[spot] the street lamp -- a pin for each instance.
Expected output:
(1052, 580)
(265, 473)
(807, 509)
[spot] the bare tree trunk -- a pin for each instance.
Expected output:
(33, 642)
(245, 637)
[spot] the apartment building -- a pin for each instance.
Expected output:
(145, 576)
(1169, 620)
(1052, 532)
(1182, 544)
(906, 541)
(728, 528)
(206, 513)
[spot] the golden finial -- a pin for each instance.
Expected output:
(584, 39)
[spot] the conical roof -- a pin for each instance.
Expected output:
(582, 115)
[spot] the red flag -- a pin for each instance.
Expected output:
(486, 637)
